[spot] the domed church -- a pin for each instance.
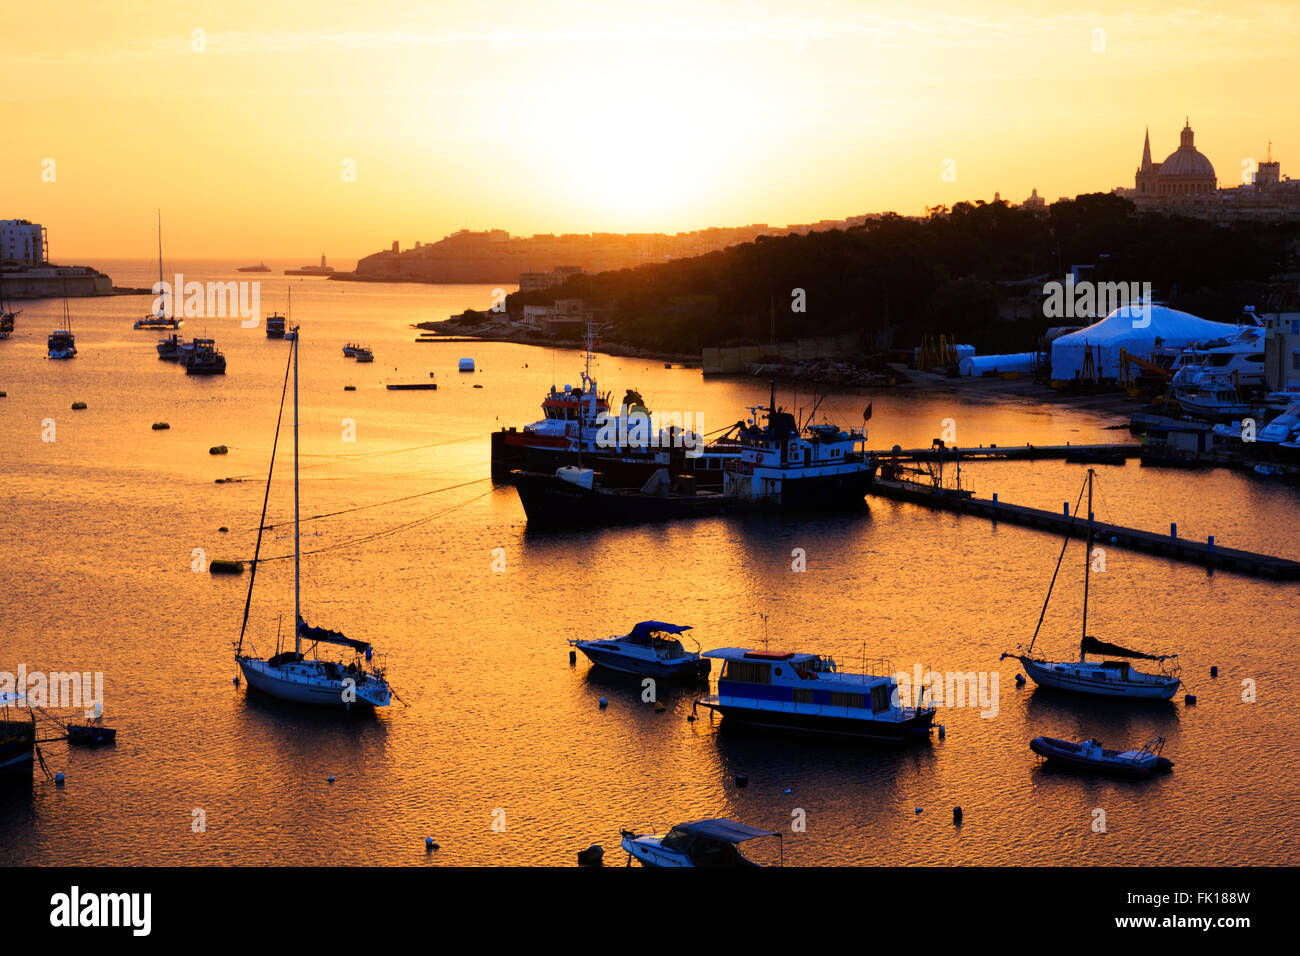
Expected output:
(1185, 172)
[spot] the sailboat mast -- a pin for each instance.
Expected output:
(1087, 566)
(160, 278)
(297, 555)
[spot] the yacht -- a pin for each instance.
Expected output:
(1239, 357)
(292, 675)
(796, 691)
(1212, 398)
(1105, 678)
(714, 842)
(650, 649)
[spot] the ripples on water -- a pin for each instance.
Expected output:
(97, 540)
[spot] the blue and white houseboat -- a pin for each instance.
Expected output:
(809, 692)
(650, 649)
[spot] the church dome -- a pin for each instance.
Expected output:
(1186, 162)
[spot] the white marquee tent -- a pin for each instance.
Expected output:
(1135, 329)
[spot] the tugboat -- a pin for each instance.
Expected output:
(1089, 755)
(290, 674)
(1098, 678)
(650, 649)
(205, 359)
(577, 428)
(779, 467)
(713, 842)
(795, 691)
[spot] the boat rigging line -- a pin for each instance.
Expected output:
(1064, 544)
(373, 504)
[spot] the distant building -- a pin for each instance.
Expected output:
(22, 242)
(533, 281)
(1282, 351)
(1035, 202)
(1185, 173)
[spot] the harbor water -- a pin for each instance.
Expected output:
(498, 748)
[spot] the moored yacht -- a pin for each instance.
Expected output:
(275, 326)
(714, 842)
(650, 649)
(1106, 678)
(809, 692)
(61, 344)
(292, 675)
(173, 348)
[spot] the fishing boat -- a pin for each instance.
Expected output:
(293, 675)
(714, 842)
(17, 734)
(204, 358)
(364, 355)
(794, 691)
(1089, 755)
(275, 326)
(650, 649)
(1105, 678)
(579, 427)
(350, 350)
(1213, 398)
(173, 348)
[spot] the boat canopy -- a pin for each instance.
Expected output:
(646, 628)
(1090, 645)
(326, 636)
(723, 829)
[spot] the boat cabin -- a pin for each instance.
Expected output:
(809, 679)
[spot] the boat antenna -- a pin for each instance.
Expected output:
(261, 524)
(171, 297)
(1064, 544)
(1087, 566)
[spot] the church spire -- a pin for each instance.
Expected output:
(1146, 151)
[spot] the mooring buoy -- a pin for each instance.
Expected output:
(1214, 670)
(58, 778)
(742, 780)
(1189, 699)
(603, 702)
(78, 406)
(956, 815)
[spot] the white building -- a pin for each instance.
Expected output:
(22, 241)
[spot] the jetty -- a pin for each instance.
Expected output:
(1169, 545)
(1119, 450)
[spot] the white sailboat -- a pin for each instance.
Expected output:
(1106, 678)
(293, 675)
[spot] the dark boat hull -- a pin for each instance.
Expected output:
(914, 728)
(553, 502)
(510, 453)
(17, 746)
(1068, 754)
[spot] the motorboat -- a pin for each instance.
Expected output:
(1089, 755)
(91, 733)
(204, 358)
(275, 326)
(713, 842)
(173, 348)
(1105, 678)
(61, 344)
(794, 691)
(350, 350)
(650, 649)
(364, 355)
(1212, 398)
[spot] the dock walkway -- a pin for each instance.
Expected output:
(1205, 553)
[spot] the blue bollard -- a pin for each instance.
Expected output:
(1210, 543)
(1173, 529)
(1067, 509)
(995, 497)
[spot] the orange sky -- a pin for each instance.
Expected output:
(603, 116)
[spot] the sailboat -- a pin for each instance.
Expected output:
(7, 315)
(61, 344)
(17, 733)
(1106, 678)
(161, 321)
(293, 675)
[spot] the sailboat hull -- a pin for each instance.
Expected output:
(1108, 679)
(306, 683)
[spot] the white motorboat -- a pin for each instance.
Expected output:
(650, 649)
(714, 842)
